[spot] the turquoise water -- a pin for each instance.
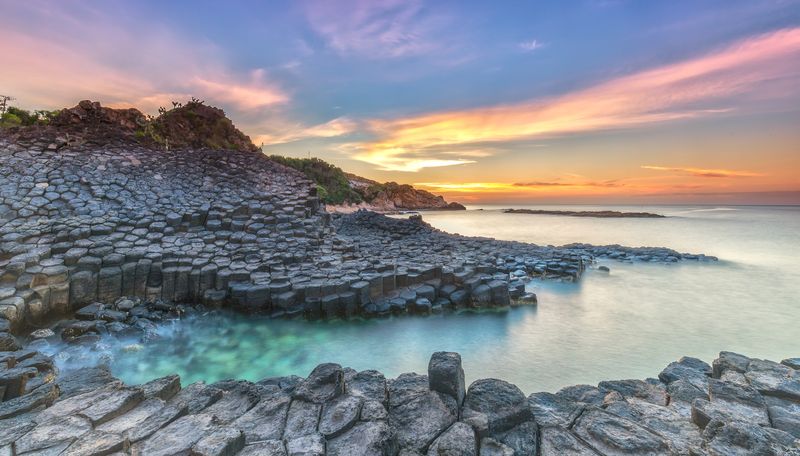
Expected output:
(628, 324)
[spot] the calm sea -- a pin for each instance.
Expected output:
(627, 324)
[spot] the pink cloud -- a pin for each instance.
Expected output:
(376, 28)
(761, 67)
(52, 59)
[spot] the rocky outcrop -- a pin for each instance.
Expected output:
(88, 223)
(597, 214)
(337, 411)
(394, 197)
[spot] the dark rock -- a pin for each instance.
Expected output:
(458, 440)
(372, 438)
(611, 434)
(339, 415)
(324, 383)
(446, 375)
(492, 406)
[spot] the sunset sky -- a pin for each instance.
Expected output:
(484, 102)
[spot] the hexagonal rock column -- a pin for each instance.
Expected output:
(446, 375)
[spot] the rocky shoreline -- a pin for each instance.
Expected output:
(90, 219)
(598, 214)
(735, 406)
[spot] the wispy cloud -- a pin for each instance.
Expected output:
(288, 133)
(762, 66)
(700, 172)
(530, 46)
(376, 28)
(52, 59)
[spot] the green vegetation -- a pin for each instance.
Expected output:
(17, 117)
(333, 187)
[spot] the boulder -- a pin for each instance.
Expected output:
(492, 406)
(446, 375)
(324, 383)
(372, 438)
(339, 415)
(458, 440)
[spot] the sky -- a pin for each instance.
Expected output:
(592, 101)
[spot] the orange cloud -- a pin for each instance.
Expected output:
(694, 88)
(337, 127)
(699, 172)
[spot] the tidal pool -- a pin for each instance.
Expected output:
(627, 324)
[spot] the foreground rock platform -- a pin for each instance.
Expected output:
(87, 220)
(735, 406)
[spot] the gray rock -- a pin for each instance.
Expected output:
(178, 437)
(421, 418)
(113, 405)
(458, 440)
(364, 439)
(222, 441)
(446, 375)
(553, 410)
(493, 406)
(522, 438)
(655, 394)
(234, 402)
(339, 415)
(373, 410)
(491, 447)
(740, 438)
(306, 445)
(163, 388)
(369, 384)
(266, 420)
(324, 383)
(613, 435)
(157, 420)
(59, 431)
(264, 448)
(197, 396)
(97, 443)
(302, 419)
(729, 361)
(557, 441)
(794, 363)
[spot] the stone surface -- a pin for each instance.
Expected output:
(446, 375)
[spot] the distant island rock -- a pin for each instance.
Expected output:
(598, 214)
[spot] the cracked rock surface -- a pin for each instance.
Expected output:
(363, 413)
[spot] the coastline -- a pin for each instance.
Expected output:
(735, 405)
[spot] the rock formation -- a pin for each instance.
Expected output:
(736, 406)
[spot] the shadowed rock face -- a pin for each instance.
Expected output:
(339, 411)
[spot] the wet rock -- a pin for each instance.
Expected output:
(264, 448)
(113, 405)
(179, 436)
(552, 410)
(741, 438)
(196, 397)
(60, 431)
(339, 415)
(364, 439)
(97, 443)
(446, 375)
(324, 383)
(369, 384)
(416, 414)
(794, 363)
(491, 447)
(457, 440)
(162, 388)
(655, 394)
(493, 406)
(266, 420)
(234, 402)
(8, 342)
(557, 441)
(223, 441)
(611, 434)
(306, 445)
(302, 419)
